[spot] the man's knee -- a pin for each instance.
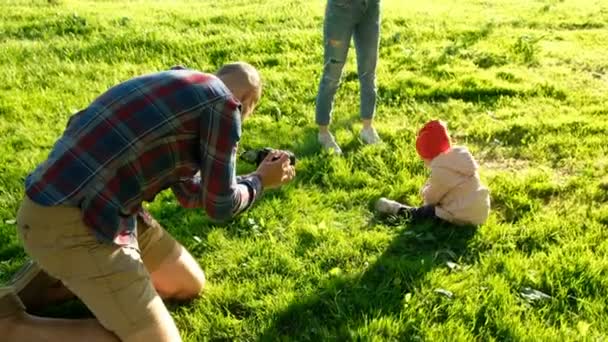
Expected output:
(189, 284)
(194, 287)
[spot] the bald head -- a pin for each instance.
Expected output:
(244, 82)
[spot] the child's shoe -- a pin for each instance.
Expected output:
(389, 207)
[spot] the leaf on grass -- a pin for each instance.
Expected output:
(583, 328)
(197, 239)
(532, 295)
(407, 297)
(13, 221)
(336, 271)
(452, 265)
(444, 292)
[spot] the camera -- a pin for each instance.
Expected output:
(257, 156)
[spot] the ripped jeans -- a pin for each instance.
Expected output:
(344, 19)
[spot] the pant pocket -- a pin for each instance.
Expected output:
(53, 236)
(30, 227)
(339, 4)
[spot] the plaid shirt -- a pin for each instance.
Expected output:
(175, 129)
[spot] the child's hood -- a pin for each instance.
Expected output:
(457, 159)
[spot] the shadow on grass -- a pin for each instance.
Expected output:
(341, 304)
(369, 293)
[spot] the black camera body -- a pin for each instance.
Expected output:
(257, 156)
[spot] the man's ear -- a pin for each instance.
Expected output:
(248, 105)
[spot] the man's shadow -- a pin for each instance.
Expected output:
(342, 303)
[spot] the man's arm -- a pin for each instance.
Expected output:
(216, 189)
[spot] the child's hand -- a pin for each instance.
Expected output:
(424, 189)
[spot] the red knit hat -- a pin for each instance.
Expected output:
(432, 140)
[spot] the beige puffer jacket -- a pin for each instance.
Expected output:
(455, 189)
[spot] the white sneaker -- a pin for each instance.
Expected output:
(329, 143)
(388, 207)
(370, 136)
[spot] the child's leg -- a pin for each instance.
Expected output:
(417, 213)
(390, 207)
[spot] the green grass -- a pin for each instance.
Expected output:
(523, 83)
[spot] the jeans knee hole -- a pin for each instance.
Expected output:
(336, 43)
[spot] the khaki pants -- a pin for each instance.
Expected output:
(113, 281)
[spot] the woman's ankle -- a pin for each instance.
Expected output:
(367, 123)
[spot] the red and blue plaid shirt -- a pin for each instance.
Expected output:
(175, 129)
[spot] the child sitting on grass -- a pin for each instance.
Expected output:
(453, 192)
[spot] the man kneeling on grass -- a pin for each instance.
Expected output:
(82, 220)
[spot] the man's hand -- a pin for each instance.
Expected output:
(275, 170)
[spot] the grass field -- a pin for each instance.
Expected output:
(524, 84)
